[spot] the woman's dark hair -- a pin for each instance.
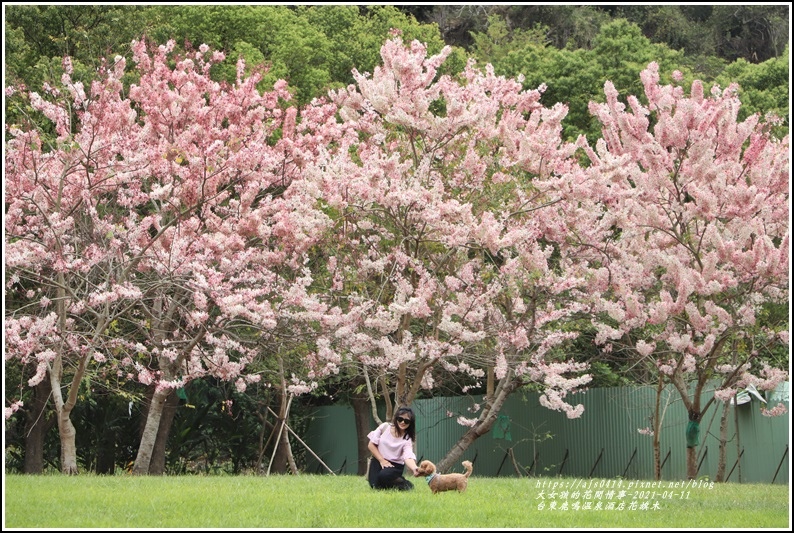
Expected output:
(405, 412)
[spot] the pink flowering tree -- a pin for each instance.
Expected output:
(452, 204)
(697, 204)
(158, 233)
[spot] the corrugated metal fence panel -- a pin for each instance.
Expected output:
(764, 442)
(435, 429)
(332, 436)
(605, 441)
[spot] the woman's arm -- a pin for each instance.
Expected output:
(410, 463)
(373, 448)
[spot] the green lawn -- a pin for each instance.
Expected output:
(314, 501)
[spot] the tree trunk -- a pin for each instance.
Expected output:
(692, 431)
(693, 439)
(66, 430)
(285, 444)
(68, 435)
(36, 429)
(722, 460)
(657, 458)
(720, 475)
(170, 371)
(281, 455)
(157, 463)
(691, 463)
(506, 386)
(361, 414)
(738, 444)
(63, 408)
(386, 397)
(149, 437)
(657, 428)
(278, 464)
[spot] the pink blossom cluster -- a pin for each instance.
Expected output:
(13, 408)
(699, 199)
(412, 225)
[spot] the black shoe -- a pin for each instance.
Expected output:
(403, 484)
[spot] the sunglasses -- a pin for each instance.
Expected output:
(404, 420)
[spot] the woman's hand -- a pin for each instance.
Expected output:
(385, 464)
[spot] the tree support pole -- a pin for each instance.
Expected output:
(304, 444)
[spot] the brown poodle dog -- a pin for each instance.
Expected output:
(442, 482)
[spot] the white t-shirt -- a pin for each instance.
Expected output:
(394, 449)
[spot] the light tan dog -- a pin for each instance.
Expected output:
(441, 482)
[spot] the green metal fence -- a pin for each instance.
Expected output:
(605, 442)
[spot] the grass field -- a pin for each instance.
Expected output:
(314, 501)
